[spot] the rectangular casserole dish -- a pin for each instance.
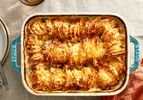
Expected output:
(93, 92)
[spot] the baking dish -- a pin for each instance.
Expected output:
(101, 93)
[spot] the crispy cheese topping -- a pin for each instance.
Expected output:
(74, 53)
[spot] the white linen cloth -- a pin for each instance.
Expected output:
(14, 13)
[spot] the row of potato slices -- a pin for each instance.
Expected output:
(47, 77)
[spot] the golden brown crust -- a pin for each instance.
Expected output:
(74, 53)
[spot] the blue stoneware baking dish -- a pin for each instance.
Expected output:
(21, 69)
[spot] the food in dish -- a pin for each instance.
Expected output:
(67, 53)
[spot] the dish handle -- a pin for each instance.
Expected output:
(14, 54)
(136, 54)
